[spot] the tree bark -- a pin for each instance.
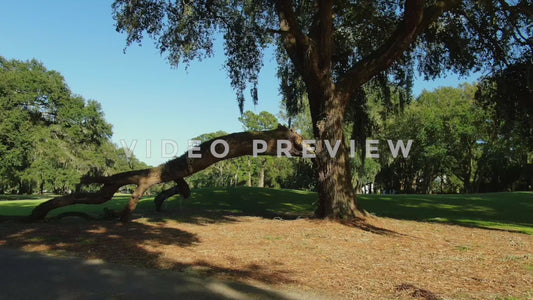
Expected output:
(336, 193)
(174, 170)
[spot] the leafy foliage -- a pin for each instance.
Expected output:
(470, 35)
(49, 137)
(510, 94)
(458, 147)
(185, 31)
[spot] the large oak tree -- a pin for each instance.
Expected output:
(327, 50)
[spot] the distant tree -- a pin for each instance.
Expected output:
(446, 126)
(258, 122)
(50, 138)
(327, 50)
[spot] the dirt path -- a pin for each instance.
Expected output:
(26, 275)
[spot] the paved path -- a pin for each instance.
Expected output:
(33, 276)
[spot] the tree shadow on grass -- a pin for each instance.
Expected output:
(218, 216)
(193, 216)
(224, 205)
(494, 211)
(133, 243)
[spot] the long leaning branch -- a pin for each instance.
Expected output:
(240, 144)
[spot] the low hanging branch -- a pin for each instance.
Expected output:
(208, 153)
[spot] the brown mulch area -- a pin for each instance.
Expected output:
(385, 259)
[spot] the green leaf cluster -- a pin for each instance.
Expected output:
(50, 137)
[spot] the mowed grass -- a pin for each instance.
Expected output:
(506, 211)
(501, 211)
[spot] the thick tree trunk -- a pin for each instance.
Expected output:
(239, 144)
(336, 193)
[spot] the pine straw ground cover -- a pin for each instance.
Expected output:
(390, 259)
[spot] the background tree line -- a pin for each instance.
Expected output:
(49, 137)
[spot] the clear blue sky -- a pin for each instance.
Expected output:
(141, 95)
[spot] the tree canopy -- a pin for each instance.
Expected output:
(357, 40)
(49, 137)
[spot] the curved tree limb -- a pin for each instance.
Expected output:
(416, 19)
(239, 144)
(181, 188)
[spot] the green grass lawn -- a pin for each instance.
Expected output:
(505, 211)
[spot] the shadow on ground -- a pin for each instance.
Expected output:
(134, 243)
(494, 211)
(223, 205)
(74, 278)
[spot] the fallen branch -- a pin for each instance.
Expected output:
(239, 144)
